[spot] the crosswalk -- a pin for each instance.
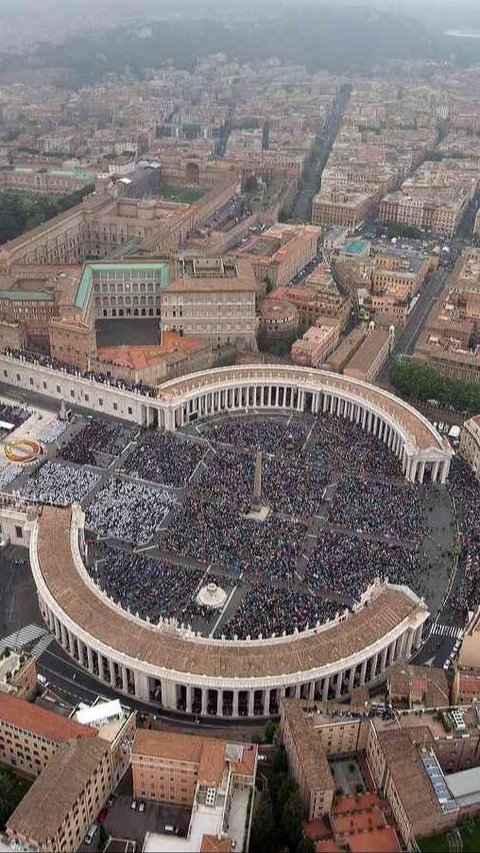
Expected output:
(21, 638)
(42, 646)
(446, 630)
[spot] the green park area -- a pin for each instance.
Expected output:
(12, 791)
(21, 211)
(185, 195)
(465, 838)
(420, 382)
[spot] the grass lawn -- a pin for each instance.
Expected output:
(470, 831)
(12, 791)
(186, 195)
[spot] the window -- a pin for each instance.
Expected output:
(87, 397)
(58, 389)
(5, 373)
(129, 410)
(18, 532)
(115, 407)
(72, 393)
(44, 384)
(100, 401)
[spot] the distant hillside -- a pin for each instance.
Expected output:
(339, 39)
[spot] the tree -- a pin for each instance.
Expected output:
(305, 845)
(293, 819)
(13, 217)
(270, 730)
(12, 791)
(263, 827)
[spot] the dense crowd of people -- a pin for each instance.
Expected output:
(273, 435)
(128, 511)
(164, 458)
(211, 533)
(61, 485)
(266, 611)
(465, 492)
(334, 440)
(378, 507)
(152, 588)
(12, 414)
(346, 565)
(97, 443)
(41, 360)
(286, 586)
(8, 474)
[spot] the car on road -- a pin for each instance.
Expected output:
(133, 806)
(141, 807)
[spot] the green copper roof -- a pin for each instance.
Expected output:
(27, 295)
(161, 268)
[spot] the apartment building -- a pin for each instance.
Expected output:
(342, 207)
(470, 444)
(278, 253)
(313, 349)
(213, 777)
(65, 799)
(405, 774)
(30, 735)
(368, 360)
(307, 759)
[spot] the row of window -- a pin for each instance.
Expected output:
(86, 396)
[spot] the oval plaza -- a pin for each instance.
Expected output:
(171, 664)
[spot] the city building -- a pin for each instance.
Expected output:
(307, 760)
(212, 298)
(313, 349)
(411, 779)
(278, 322)
(215, 778)
(469, 447)
(371, 355)
(342, 207)
(65, 799)
(30, 735)
(18, 674)
(277, 254)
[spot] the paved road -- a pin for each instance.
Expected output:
(407, 338)
(309, 185)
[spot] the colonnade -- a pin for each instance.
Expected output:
(416, 465)
(235, 697)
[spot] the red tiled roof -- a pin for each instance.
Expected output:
(40, 721)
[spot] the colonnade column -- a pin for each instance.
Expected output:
(326, 686)
(363, 671)
(251, 700)
(235, 703)
(89, 659)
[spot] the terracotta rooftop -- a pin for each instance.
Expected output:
(408, 774)
(139, 357)
(212, 762)
(54, 793)
(307, 745)
(212, 844)
(383, 840)
(170, 745)
(87, 608)
(40, 721)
